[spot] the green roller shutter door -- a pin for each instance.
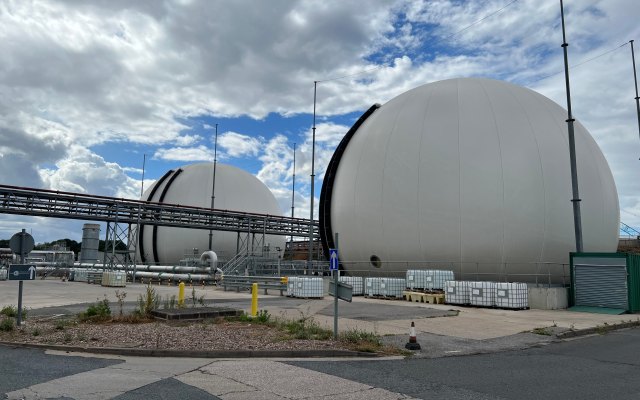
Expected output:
(601, 285)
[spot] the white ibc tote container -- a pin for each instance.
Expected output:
(392, 287)
(416, 279)
(457, 292)
(355, 282)
(512, 295)
(292, 285)
(438, 278)
(482, 294)
(114, 279)
(372, 286)
(305, 287)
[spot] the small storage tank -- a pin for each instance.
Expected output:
(90, 241)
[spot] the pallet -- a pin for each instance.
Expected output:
(418, 297)
(382, 297)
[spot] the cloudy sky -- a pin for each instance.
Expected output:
(89, 87)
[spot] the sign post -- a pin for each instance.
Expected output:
(334, 263)
(21, 243)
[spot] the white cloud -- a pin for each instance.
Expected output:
(200, 153)
(86, 172)
(187, 140)
(239, 145)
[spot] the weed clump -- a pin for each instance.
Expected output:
(99, 311)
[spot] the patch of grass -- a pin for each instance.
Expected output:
(7, 325)
(82, 336)
(263, 317)
(306, 328)
(67, 338)
(604, 328)
(61, 324)
(362, 341)
(99, 311)
(35, 332)
(542, 331)
(170, 302)
(134, 318)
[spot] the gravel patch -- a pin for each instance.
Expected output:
(200, 335)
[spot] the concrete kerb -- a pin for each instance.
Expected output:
(601, 329)
(117, 351)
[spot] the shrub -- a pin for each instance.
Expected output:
(120, 296)
(7, 325)
(263, 316)
(148, 302)
(99, 311)
(12, 311)
(9, 311)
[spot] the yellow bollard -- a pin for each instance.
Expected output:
(181, 294)
(254, 299)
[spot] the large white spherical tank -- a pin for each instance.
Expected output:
(472, 174)
(191, 185)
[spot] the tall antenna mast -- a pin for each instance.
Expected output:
(577, 220)
(313, 159)
(213, 188)
(635, 80)
(293, 186)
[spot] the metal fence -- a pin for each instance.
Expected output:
(538, 273)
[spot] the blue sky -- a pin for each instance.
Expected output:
(87, 88)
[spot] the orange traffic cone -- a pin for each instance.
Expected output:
(413, 342)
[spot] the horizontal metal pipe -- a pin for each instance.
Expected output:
(174, 277)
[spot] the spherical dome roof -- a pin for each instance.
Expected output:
(191, 185)
(465, 170)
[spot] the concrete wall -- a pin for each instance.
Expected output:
(548, 298)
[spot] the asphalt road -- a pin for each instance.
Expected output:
(600, 366)
(597, 367)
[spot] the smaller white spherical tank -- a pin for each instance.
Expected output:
(469, 173)
(191, 185)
